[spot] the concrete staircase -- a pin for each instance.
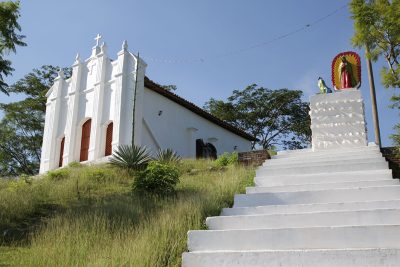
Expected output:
(324, 208)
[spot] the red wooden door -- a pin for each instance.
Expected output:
(85, 141)
(60, 161)
(109, 139)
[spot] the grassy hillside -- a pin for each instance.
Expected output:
(88, 216)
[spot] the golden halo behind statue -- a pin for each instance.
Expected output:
(346, 71)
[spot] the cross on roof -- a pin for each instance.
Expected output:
(97, 38)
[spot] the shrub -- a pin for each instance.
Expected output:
(168, 156)
(233, 159)
(157, 179)
(26, 178)
(74, 164)
(130, 157)
(97, 175)
(227, 159)
(59, 174)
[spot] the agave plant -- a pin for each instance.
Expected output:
(130, 157)
(167, 156)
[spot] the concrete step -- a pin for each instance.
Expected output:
(304, 208)
(323, 168)
(321, 186)
(372, 236)
(378, 193)
(309, 152)
(312, 164)
(351, 176)
(314, 219)
(328, 158)
(370, 257)
(322, 163)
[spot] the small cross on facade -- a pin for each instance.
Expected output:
(98, 37)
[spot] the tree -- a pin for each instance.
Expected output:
(377, 28)
(21, 129)
(169, 87)
(9, 38)
(275, 117)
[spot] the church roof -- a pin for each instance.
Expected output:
(192, 107)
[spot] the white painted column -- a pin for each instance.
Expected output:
(119, 125)
(49, 159)
(124, 98)
(96, 128)
(73, 108)
(140, 70)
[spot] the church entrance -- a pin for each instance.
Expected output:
(60, 162)
(205, 150)
(85, 141)
(109, 137)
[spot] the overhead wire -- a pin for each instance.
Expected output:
(251, 47)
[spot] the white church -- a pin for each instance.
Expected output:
(106, 103)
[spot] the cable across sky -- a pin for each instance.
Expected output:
(251, 47)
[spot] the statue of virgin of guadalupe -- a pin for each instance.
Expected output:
(346, 74)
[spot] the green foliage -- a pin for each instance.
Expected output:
(21, 128)
(377, 28)
(9, 38)
(99, 175)
(169, 87)
(273, 116)
(157, 179)
(26, 178)
(109, 225)
(59, 174)
(227, 159)
(75, 164)
(396, 139)
(24, 201)
(168, 156)
(130, 157)
(233, 159)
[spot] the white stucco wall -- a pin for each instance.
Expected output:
(178, 128)
(338, 120)
(101, 90)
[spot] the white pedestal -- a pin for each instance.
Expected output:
(337, 120)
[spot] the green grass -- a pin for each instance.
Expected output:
(88, 216)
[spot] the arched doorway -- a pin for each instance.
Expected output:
(109, 137)
(210, 151)
(85, 141)
(205, 150)
(61, 159)
(199, 148)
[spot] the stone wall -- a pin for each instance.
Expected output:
(254, 158)
(393, 158)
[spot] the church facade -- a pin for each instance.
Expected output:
(107, 103)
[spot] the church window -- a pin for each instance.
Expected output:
(60, 161)
(85, 141)
(109, 137)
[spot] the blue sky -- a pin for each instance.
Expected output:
(195, 44)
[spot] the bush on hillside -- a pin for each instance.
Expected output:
(97, 175)
(75, 164)
(168, 156)
(130, 157)
(59, 174)
(157, 179)
(227, 159)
